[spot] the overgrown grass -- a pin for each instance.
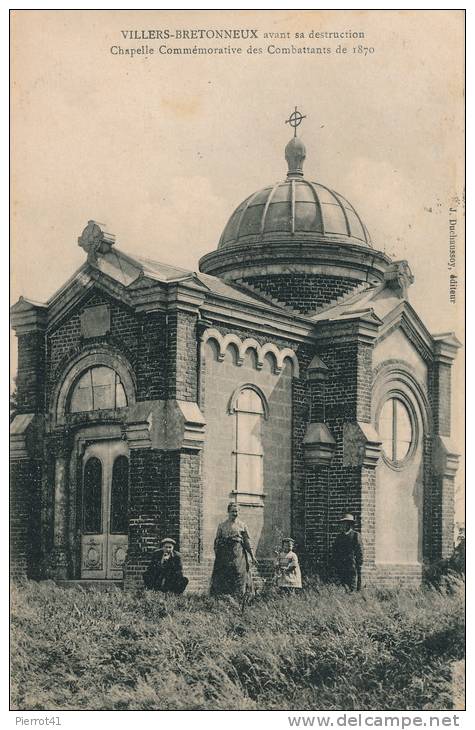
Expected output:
(322, 649)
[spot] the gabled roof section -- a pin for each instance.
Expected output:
(135, 280)
(151, 269)
(130, 270)
(392, 311)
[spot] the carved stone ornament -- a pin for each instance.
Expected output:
(95, 240)
(399, 277)
(92, 555)
(119, 554)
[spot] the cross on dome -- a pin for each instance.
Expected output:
(295, 119)
(295, 151)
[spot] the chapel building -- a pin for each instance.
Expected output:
(289, 374)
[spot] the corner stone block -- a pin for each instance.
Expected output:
(446, 457)
(166, 425)
(26, 432)
(361, 444)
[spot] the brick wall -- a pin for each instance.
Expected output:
(151, 363)
(148, 521)
(25, 506)
(447, 517)
(441, 393)
(140, 339)
(330, 491)
(30, 380)
(440, 522)
(305, 292)
(190, 505)
(182, 378)
(300, 417)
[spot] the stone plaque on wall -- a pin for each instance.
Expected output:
(96, 321)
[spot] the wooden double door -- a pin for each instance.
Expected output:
(105, 503)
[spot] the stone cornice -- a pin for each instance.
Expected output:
(232, 314)
(28, 317)
(362, 328)
(445, 347)
(335, 258)
(184, 298)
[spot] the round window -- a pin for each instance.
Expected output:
(396, 430)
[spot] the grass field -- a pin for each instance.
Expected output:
(321, 650)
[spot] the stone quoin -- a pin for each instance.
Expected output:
(289, 373)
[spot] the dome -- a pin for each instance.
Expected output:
(296, 241)
(295, 210)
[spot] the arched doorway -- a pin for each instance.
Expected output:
(104, 513)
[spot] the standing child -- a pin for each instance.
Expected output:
(287, 567)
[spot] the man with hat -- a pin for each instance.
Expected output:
(165, 572)
(348, 554)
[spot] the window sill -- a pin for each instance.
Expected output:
(249, 499)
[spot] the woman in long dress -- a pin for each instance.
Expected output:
(233, 557)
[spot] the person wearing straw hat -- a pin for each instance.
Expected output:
(288, 576)
(165, 572)
(348, 554)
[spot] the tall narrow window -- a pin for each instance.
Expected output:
(120, 496)
(92, 496)
(395, 430)
(249, 454)
(97, 389)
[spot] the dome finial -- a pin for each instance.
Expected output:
(295, 151)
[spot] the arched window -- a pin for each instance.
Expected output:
(120, 496)
(249, 413)
(98, 388)
(396, 430)
(92, 497)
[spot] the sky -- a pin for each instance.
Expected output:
(162, 147)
